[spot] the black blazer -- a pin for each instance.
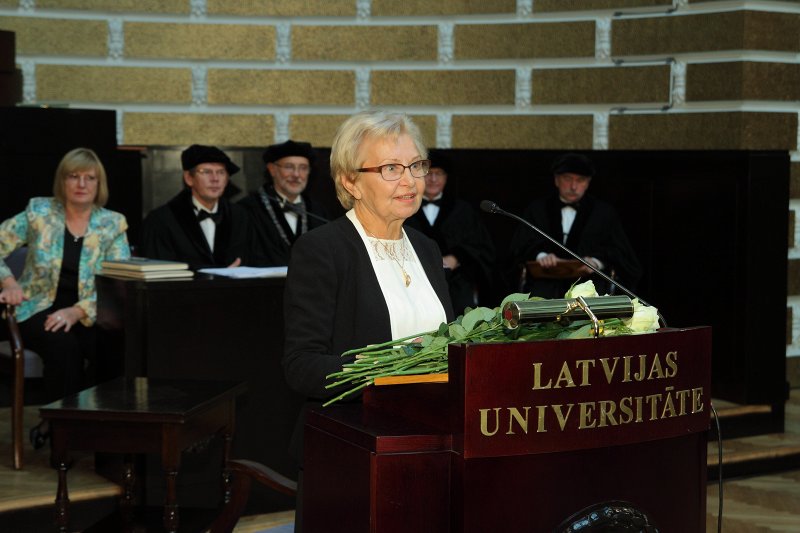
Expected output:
(333, 303)
(596, 232)
(268, 249)
(171, 232)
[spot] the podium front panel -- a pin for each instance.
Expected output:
(534, 493)
(549, 396)
(622, 418)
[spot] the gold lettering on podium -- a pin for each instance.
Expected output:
(584, 365)
(485, 421)
(541, 410)
(562, 418)
(607, 409)
(697, 400)
(636, 368)
(648, 406)
(626, 408)
(537, 378)
(565, 377)
(521, 420)
(672, 364)
(609, 370)
(602, 413)
(586, 419)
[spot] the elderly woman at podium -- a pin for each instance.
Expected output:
(363, 278)
(67, 236)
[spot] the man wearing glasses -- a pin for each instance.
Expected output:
(200, 226)
(279, 210)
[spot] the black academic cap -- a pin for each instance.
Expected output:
(289, 148)
(441, 159)
(197, 154)
(572, 163)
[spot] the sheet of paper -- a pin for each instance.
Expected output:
(247, 272)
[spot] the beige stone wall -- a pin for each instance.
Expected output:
(622, 73)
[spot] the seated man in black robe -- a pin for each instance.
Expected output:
(279, 211)
(467, 249)
(200, 226)
(584, 224)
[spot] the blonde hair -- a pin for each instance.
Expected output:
(350, 136)
(77, 160)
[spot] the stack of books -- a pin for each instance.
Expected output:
(147, 269)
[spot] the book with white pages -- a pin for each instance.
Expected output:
(148, 275)
(143, 264)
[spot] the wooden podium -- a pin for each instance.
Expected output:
(521, 437)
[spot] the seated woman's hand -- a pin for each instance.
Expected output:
(11, 292)
(63, 319)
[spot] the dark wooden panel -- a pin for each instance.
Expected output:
(10, 87)
(209, 329)
(7, 50)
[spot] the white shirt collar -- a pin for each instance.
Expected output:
(200, 207)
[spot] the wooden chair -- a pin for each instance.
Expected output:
(13, 361)
(243, 473)
(16, 361)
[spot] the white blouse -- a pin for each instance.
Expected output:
(414, 308)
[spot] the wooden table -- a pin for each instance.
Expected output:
(136, 416)
(150, 327)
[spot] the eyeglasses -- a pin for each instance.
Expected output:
(208, 172)
(88, 178)
(301, 169)
(435, 175)
(393, 171)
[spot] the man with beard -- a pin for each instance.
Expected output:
(467, 249)
(279, 211)
(200, 226)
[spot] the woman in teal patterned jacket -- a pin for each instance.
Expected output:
(68, 236)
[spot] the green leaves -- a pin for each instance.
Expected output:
(426, 353)
(457, 332)
(517, 297)
(474, 316)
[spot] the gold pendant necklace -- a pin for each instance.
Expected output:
(392, 254)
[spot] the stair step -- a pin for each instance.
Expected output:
(754, 455)
(731, 411)
(737, 420)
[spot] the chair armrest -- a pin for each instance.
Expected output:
(264, 475)
(243, 473)
(15, 337)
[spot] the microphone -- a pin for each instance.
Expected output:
(491, 207)
(296, 209)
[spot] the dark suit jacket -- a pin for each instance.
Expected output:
(333, 303)
(596, 232)
(171, 232)
(269, 249)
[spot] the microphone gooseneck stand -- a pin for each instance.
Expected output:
(493, 208)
